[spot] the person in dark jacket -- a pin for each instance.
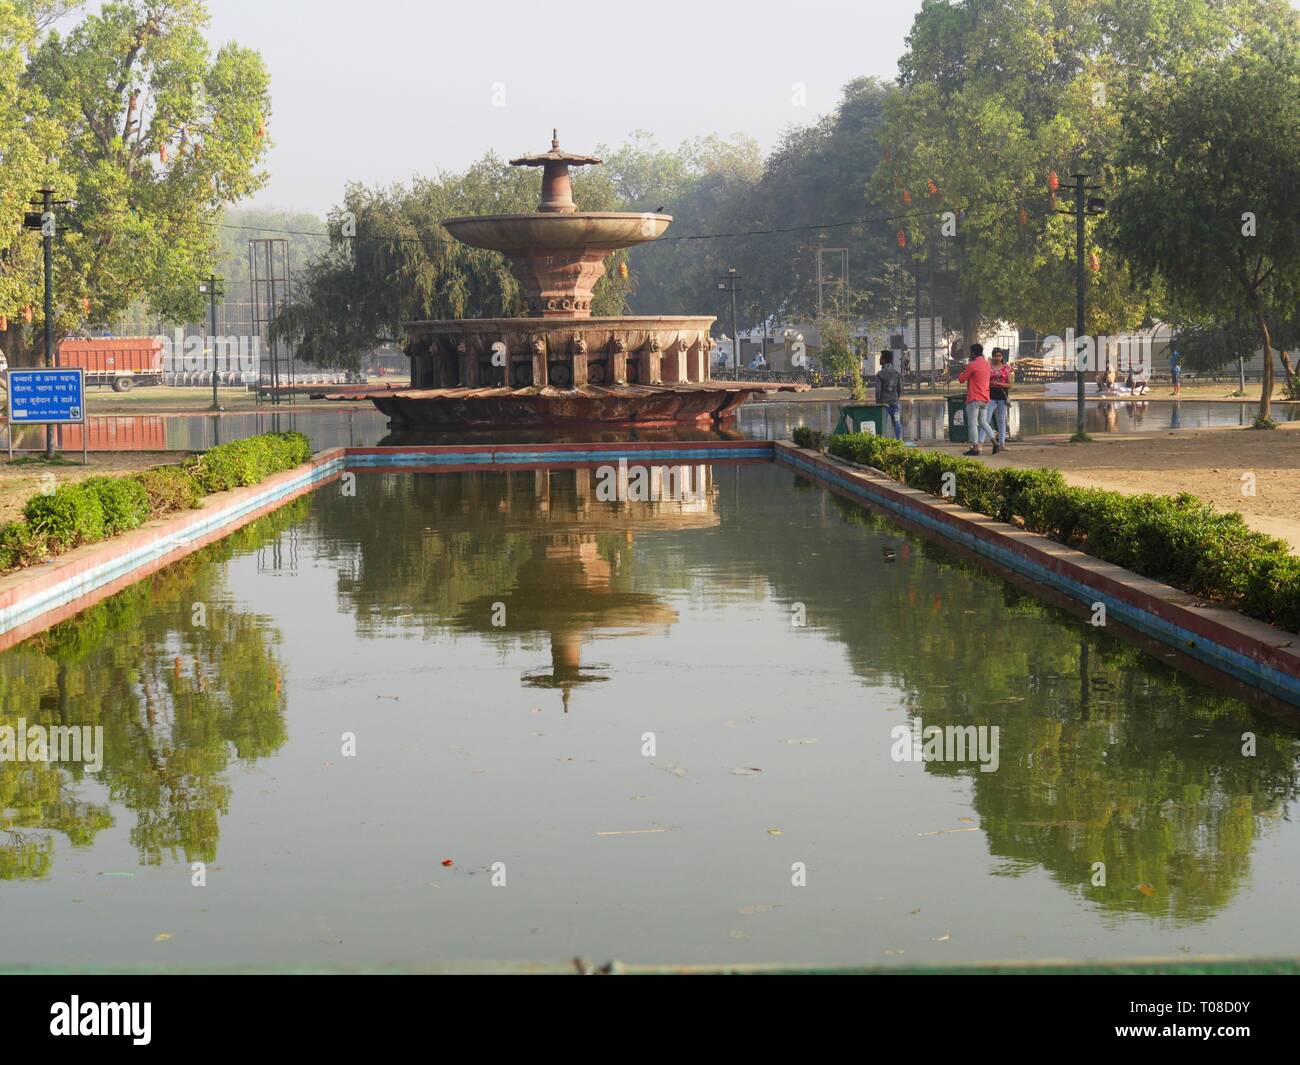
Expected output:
(889, 390)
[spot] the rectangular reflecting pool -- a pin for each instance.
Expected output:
(420, 718)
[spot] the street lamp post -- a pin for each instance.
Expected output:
(1084, 206)
(212, 287)
(728, 284)
(45, 222)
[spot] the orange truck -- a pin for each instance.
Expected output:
(120, 362)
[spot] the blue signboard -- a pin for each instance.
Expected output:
(47, 396)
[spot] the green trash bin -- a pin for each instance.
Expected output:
(861, 418)
(957, 420)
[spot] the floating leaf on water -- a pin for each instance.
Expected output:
(162, 937)
(750, 911)
(774, 832)
(632, 832)
(745, 771)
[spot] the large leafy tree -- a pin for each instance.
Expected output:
(1210, 173)
(28, 136)
(156, 135)
(996, 95)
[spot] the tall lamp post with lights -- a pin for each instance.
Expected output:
(212, 289)
(1085, 207)
(728, 284)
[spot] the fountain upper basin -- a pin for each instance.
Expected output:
(548, 234)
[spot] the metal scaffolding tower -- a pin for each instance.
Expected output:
(269, 283)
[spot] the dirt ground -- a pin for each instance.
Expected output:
(1209, 463)
(25, 477)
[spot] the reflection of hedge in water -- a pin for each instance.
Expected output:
(1122, 759)
(174, 700)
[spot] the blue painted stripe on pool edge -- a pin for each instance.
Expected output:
(1281, 685)
(474, 457)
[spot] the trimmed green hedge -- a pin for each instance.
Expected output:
(814, 439)
(84, 512)
(1179, 540)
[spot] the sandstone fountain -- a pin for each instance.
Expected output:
(559, 365)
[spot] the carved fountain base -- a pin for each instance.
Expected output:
(535, 372)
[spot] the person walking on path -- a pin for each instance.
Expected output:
(1000, 396)
(889, 390)
(1176, 370)
(976, 379)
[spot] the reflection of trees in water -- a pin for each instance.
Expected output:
(177, 703)
(1106, 754)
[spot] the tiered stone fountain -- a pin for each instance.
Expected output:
(559, 365)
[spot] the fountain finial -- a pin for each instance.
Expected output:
(557, 190)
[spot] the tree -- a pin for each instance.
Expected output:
(156, 135)
(1209, 203)
(28, 136)
(995, 96)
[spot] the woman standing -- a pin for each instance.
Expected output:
(999, 396)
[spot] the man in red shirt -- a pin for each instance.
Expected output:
(976, 379)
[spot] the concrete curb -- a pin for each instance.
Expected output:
(1250, 651)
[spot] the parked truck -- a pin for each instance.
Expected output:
(120, 362)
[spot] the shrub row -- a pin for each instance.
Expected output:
(814, 439)
(96, 508)
(1179, 540)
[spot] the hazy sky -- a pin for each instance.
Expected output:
(383, 89)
